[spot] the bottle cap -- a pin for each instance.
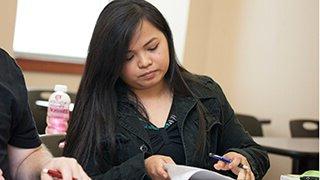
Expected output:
(60, 87)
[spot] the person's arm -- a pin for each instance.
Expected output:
(29, 163)
(235, 139)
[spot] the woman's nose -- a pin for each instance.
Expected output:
(144, 61)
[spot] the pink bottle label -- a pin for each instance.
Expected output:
(58, 114)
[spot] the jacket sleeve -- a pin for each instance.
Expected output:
(133, 168)
(235, 138)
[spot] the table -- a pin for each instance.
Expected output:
(303, 151)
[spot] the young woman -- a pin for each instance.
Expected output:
(137, 108)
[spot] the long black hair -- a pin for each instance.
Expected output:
(96, 107)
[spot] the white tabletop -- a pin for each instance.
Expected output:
(307, 145)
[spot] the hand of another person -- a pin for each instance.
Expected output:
(1, 176)
(155, 166)
(236, 159)
(68, 167)
(62, 144)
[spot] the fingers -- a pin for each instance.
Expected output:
(159, 169)
(220, 165)
(168, 160)
(235, 162)
(245, 175)
(45, 176)
(61, 145)
(252, 175)
(155, 166)
(1, 175)
(66, 172)
(236, 159)
(242, 174)
(68, 167)
(83, 174)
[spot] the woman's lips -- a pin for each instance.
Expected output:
(148, 75)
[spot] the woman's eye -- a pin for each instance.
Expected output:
(153, 48)
(129, 57)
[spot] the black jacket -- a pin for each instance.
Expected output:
(223, 130)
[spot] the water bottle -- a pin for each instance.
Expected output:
(58, 111)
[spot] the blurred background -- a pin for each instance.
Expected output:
(264, 54)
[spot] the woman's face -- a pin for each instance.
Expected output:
(147, 58)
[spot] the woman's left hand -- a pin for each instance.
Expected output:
(236, 159)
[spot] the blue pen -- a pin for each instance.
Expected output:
(226, 160)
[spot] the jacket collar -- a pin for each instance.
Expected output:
(129, 120)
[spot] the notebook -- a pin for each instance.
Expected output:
(181, 172)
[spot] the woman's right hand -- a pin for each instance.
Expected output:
(155, 166)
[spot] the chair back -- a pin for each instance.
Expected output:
(40, 112)
(51, 141)
(299, 128)
(250, 124)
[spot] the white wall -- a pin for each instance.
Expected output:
(176, 13)
(276, 62)
(264, 54)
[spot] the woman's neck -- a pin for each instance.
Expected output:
(153, 92)
(157, 103)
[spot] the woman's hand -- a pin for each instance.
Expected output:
(155, 166)
(233, 166)
(68, 167)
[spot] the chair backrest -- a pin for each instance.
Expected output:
(40, 112)
(250, 124)
(299, 128)
(51, 141)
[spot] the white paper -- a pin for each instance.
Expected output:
(180, 172)
(289, 177)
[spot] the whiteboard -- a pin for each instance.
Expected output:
(60, 30)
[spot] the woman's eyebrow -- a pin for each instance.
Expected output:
(152, 39)
(146, 44)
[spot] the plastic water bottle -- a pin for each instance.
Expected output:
(58, 111)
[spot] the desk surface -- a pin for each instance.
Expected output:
(294, 147)
(303, 151)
